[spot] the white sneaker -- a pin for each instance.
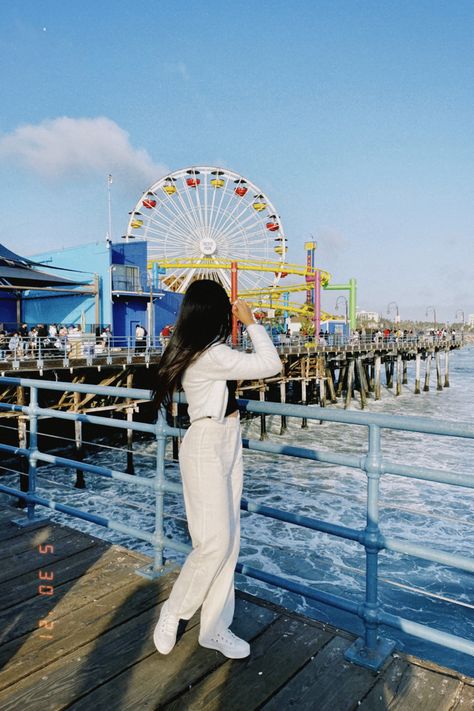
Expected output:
(227, 643)
(166, 630)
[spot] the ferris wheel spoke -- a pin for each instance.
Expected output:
(248, 207)
(192, 205)
(168, 226)
(228, 211)
(215, 213)
(168, 203)
(165, 235)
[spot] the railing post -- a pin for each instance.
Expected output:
(156, 569)
(30, 520)
(371, 651)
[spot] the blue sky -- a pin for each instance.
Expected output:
(356, 117)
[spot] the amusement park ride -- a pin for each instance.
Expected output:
(212, 222)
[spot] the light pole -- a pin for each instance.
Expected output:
(346, 307)
(460, 311)
(397, 317)
(433, 309)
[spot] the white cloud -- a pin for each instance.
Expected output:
(77, 148)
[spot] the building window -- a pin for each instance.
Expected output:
(125, 278)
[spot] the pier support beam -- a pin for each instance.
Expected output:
(360, 376)
(405, 373)
(331, 388)
(427, 373)
(304, 401)
(377, 368)
(439, 384)
(446, 368)
(389, 373)
(417, 372)
(398, 386)
(350, 381)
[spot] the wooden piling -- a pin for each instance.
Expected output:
(361, 383)
(446, 368)
(330, 383)
(389, 373)
(350, 380)
(427, 373)
(398, 385)
(405, 371)
(304, 401)
(417, 372)
(342, 377)
(377, 367)
(370, 375)
(322, 392)
(439, 383)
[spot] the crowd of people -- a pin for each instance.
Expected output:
(47, 339)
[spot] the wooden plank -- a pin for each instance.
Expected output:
(111, 571)
(276, 655)
(328, 682)
(385, 690)
(63, 539)
(157, 678)
(30, 540)
(74, 565)
(83, 625)
(465, 701)
(421, 689)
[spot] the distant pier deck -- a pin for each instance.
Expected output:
(84, 641)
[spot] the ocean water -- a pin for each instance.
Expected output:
(437, 515)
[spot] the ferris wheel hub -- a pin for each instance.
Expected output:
(207, 246)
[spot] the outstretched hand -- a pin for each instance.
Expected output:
(243, 312)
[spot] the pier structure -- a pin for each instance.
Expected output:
(338, 372)
(370, 653)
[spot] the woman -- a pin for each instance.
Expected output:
(210, 458)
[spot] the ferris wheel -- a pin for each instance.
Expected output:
(196, 220)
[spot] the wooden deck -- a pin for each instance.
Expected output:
(101, 654)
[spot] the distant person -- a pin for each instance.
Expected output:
(140, 338)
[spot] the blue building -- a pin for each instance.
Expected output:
(118, 290)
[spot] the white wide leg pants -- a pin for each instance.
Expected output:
(210, 459)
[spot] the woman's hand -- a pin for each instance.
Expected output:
(243, 312)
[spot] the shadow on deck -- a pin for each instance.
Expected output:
(99, 652)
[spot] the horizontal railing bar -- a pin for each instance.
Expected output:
(79, 417)
(351, 460)
(78, 513)
(132, 393)
(418, 550)
(338, 601)
(94, 469)
(460, 644)
(438, 475)
(394, 422)
(304, 521)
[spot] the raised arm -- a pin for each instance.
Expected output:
(225, 363)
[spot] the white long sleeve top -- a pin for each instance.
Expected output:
(205, 381)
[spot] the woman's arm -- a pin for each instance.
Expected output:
(224, 363)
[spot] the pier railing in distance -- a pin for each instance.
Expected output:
(372, 649)
(90, 350)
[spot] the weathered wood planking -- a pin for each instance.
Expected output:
(101, 655)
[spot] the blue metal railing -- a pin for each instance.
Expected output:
(370, 650)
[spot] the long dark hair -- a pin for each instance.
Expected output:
(205, 317)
